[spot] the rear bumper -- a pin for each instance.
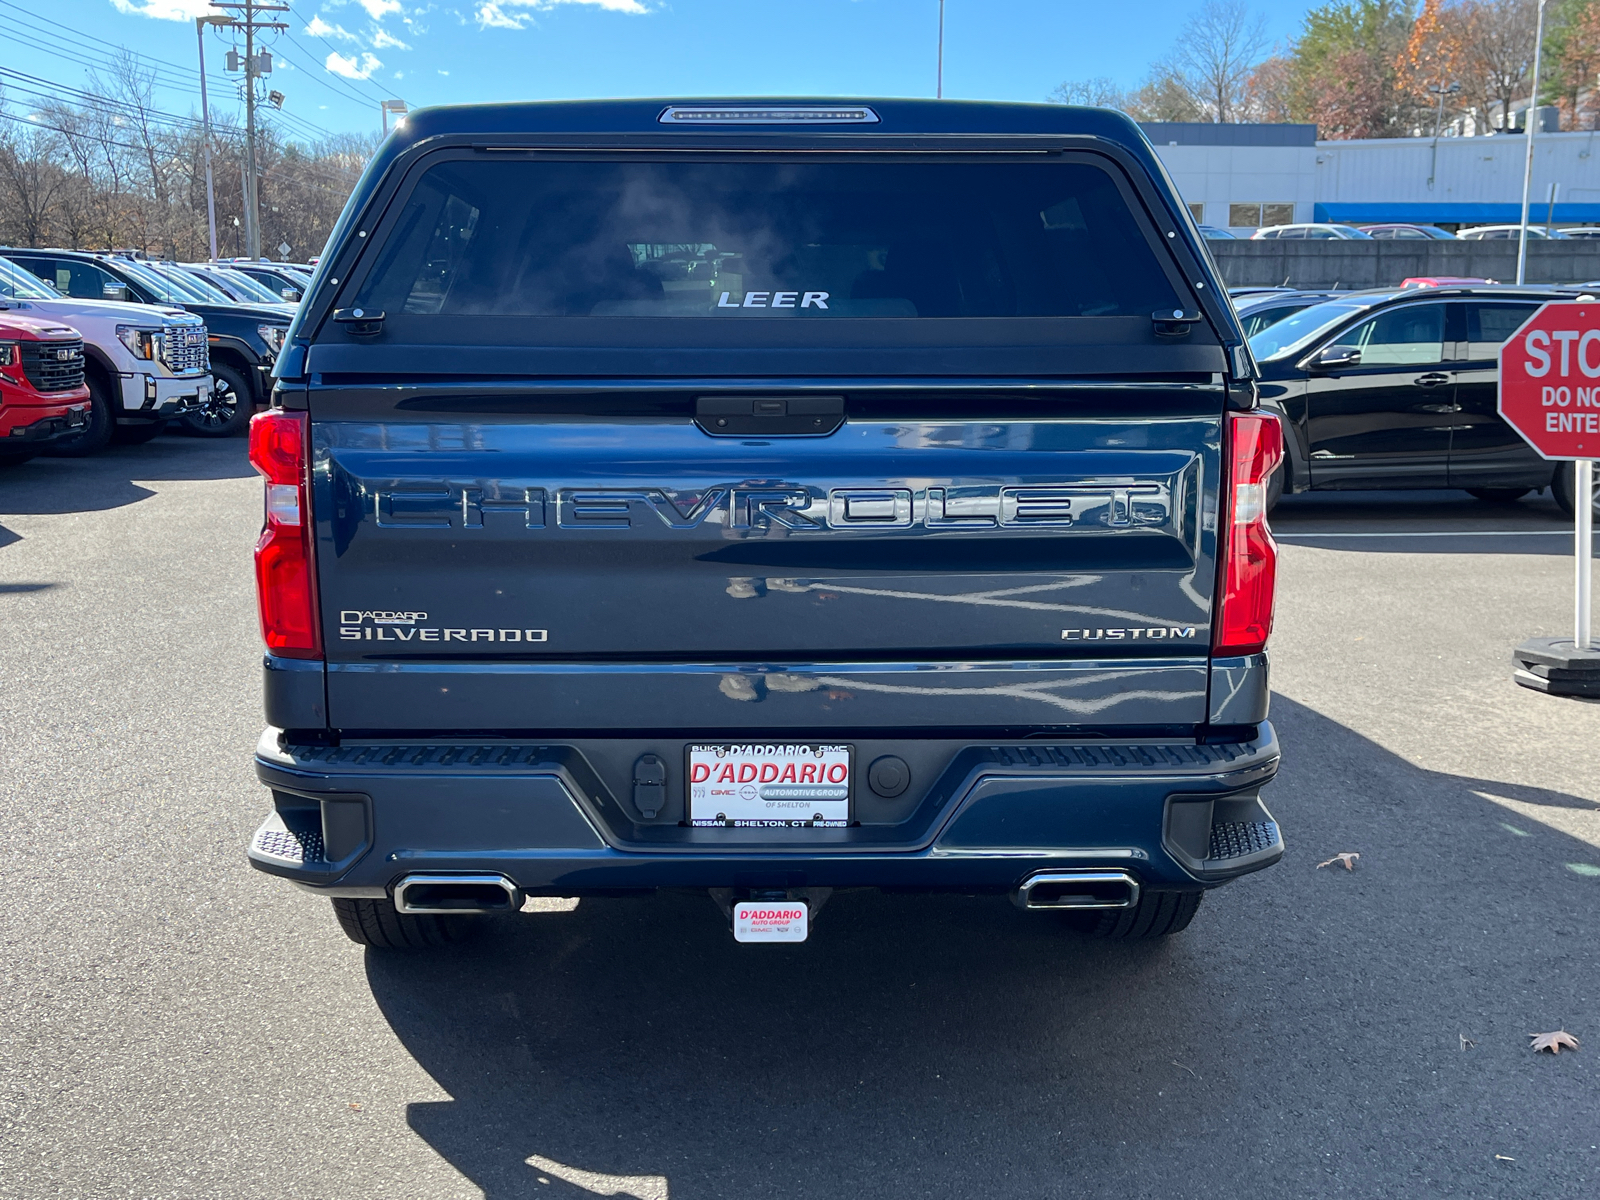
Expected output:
(356, 819)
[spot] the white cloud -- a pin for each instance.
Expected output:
(165, 10)
(489, 16)
(493, 15)
(357, 67)
(622, 6)
(320, 28)
(379, 8)
(382, 40)
(444, 72)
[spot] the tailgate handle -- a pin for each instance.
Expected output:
(769, 416)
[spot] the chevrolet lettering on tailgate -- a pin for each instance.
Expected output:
(447, 504)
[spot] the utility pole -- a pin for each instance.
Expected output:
(1527, 165)
(254, 66)
(938, 91)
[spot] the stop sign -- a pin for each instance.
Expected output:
(1550, 380)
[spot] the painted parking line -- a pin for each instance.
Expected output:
(1566, 533)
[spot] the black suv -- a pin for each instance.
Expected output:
(244, 339)
(1398, 389)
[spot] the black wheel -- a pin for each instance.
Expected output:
(227, 413)
(138, 435)
(104, 404)
(1275, 486)
(1157, 914)
(1565, 483)
(376, 923)
(1503, 495)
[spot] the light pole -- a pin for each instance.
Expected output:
(200, 24)
(1527, 164)
(1440, 90)
(397, 107)
(938, 90)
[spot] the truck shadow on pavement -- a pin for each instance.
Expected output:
(48, 486)
(1304, 1036)
(1423, 522)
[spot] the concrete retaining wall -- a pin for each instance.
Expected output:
(1387, 263)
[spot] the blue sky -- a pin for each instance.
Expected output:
(339, 58)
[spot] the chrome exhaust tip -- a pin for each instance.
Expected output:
(457, 894)
(1078, 889)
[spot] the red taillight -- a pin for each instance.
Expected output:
(1252, 447)
(286, 586)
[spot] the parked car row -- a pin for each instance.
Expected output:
(151, 343)
(1395, 231)
(1398, 388)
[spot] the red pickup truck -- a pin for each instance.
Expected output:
(42, 393)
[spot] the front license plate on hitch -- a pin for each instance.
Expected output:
(786, 785)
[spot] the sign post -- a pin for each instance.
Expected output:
(1550, 394)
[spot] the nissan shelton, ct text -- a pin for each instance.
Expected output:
(765, 498)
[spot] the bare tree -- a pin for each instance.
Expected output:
(1098, 92)
(31, 178)
(1498, 38)
(1215, 53)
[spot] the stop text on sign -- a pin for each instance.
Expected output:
(1538, 345)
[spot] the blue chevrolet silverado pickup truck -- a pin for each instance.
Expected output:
(765, 498)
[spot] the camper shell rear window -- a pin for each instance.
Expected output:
(829, 242)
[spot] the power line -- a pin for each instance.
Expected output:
(308, 127)
(329, 45)
(160, 69)
(349, 92)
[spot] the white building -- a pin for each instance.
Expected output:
(1245, 176)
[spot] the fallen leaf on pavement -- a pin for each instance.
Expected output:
(1553, 1041)
(1349, 861)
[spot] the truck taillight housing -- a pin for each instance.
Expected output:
(1252, 447)
(286, 580)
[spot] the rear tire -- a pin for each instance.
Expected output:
(1158, 914)
(1565, 483)
(377, 923)
(102, 421)
(1500, 495)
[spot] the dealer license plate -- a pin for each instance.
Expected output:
(770, 921)
(785, 785)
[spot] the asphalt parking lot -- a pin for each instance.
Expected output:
(176, 1025)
